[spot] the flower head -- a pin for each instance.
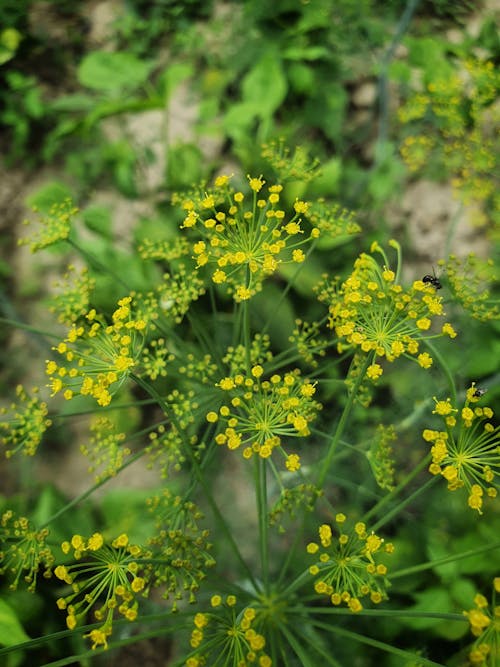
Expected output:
(105, 577)
(98, 357)
(485, 625)
(227, 631)
(348, 566)
(23, 424)
(54, 227)
(371, 313)
(467, 452)
(242, 242)
(23, 550)
(259, 414)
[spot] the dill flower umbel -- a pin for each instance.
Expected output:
(467, 452)
(223, 637)
(373, 314)
(105, 449)
(180, 548)
(260, 413)
(23, 551)
(469, 280)
(449, 122)
(73, 295)
(243, 240)
(98, 357)
(485, 625)
(106, 578)
(347, 567)
(24, 424)
(53, 228)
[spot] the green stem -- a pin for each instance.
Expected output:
(409, 571)
(437, 355)
(261, 497)
(199, 475)
(91, 490)
(362, 639)
(27, 327)
(288, 287)
(341, 424)
(93, 261)
(407, 501)
(396, 491)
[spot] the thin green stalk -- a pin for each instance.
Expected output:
(199, 475)
(409, 571)
(26, 327)
(341, 424)
(368, 641)
(397, 490)
(288, 287)
(93, 261)
(451, 383)
(407, 501)
(91, 490)
(261, 497)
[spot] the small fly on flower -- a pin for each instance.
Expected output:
(479, 391)
(432, 280)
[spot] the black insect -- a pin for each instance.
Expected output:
(478, 392)
(432, 280)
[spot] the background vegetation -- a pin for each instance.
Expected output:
(387, 111)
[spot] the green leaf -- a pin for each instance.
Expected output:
(98, 219)
(11, 631)
(48, 195)
(111, 72)
(268, 306)
(184, 166)
(174, 75)
(265, 85)
(432, 600)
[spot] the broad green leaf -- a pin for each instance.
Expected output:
(98, 219)
(184, 166)
(174, 75)
(48, 195)
(11, 630)
(265, 85)
(110, 72)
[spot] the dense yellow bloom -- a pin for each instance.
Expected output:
(24, 423)
(371, 313)
(485, 625)
(98, 358)
(224, 632)
(467, 452)
(244, 242)
(259, 414)
(346, 564)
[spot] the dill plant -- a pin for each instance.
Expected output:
(221, 387)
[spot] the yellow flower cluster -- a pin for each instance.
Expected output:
(24, 424)
(244, 243)
(23, 550)
(115, 582)
(469, 279)
(346, 566)
(485, 625)
(372, 313)
(261, 413)
(105, 451)
(450, 123)
(223, 632)
(73, 294)
(98, 357)
(54, 227)
(467, 453)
